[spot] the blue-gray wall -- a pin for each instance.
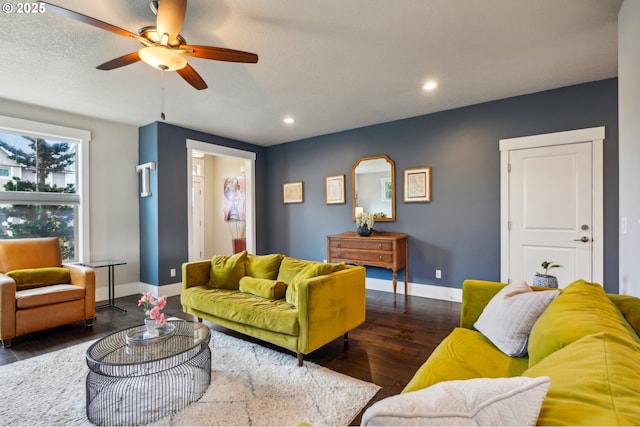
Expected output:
(164, 237)
(458, 232)
(149, 230)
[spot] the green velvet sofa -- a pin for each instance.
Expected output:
(295, 304)
(585, 341)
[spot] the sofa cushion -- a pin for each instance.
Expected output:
(47, 295)
(482, 401)
(508, 318)
(462, 355)
(313, 269)
(629, 306)
(264, 266)
(265, 288)
(290, 267)
(581, 309)
(227, 270)
(36, 277)
(339, 266)
(271, 315)
(594, 381)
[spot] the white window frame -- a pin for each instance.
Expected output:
(59, 133)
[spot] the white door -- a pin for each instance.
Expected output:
(197, 209)
(553, 206)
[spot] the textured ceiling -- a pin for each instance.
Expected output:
(332, 64)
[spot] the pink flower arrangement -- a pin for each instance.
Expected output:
(152, 306)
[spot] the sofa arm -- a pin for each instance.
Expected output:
(195, 273)
(7, 307)
(82, 276)
(476, 294)
(330, 306)
(85, 277)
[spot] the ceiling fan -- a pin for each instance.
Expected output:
(163, 46)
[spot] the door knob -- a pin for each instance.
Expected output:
(584, 239)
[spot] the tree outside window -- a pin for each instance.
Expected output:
(39, 165)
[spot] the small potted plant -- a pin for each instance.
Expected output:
(546, 280)
(364, 223)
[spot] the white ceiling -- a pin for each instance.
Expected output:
(331, 64)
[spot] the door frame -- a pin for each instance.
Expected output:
(250, 197)
(200, 180)
(593, 135)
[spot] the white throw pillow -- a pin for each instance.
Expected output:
(508, 318)
(479, 401)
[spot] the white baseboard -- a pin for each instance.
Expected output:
(416, 289)
(169, 290)
(126, 289)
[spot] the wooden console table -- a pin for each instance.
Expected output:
(381, 249)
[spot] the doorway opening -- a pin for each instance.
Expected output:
(218, 217)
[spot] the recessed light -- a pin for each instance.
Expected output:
(289, 120)
(430, 85)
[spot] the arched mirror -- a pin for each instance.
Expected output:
(373, 187)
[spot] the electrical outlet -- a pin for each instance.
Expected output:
(438, 274)
(172, 272)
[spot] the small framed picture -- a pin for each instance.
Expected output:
(334, 189)
(386, 189)
(293, 192)
(417, 185)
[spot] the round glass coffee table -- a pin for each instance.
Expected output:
(138, 384)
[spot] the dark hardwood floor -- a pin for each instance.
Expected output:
(387, 349)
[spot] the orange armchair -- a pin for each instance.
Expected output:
(38, 292)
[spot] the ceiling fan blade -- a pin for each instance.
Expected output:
(192, 77)
(170, 18)
(127, 59)
(92, 21)
(219, 53)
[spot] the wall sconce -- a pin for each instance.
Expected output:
(144, 169)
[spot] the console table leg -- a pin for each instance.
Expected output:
(406, 279)
(395, 283)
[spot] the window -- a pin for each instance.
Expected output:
(40, 182)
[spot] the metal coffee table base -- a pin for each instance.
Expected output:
(144, 385)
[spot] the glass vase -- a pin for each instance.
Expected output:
(152, 328)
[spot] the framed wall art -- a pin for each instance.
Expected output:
(293, 192)
(417, 185)
(386, 189)
(334, 189)
(233, 201)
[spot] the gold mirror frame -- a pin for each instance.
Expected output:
(391, 214)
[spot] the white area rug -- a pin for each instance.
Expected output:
(250, 385)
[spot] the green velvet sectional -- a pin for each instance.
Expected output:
(295, 304)
(585, 341)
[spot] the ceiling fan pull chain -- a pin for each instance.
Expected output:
(162, 95)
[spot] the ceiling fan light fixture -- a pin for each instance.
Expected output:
(162, 58)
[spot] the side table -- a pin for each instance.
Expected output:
(139, 384)
(110, 265)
